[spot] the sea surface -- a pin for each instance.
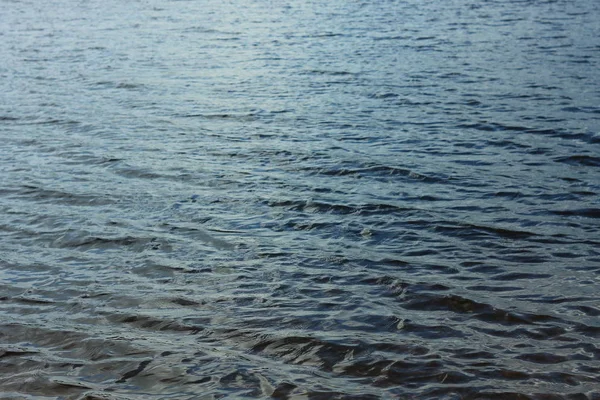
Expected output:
(239, 199)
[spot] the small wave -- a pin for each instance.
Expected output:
(329, 72)
(580, 159)
(492, 127)
(375, 171)
(150, 323)
(477, 231)
(133, 172)
(47, 121)
(224, 116)
(337, 208)
(384, 95)
(584, 212)
(42, 195)
(119, 85)
(85, 242)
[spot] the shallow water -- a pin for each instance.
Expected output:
(329, 199)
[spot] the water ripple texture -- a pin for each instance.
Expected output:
(299, 200)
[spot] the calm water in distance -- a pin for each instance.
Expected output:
(205, 199)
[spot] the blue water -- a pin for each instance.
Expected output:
(206, 199)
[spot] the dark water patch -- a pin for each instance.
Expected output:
(580, 160)
(587, 330)
(476, 231)
(588, 310)
(591, 138)
(224, 116)
(560, 299)
(83, 241)
(508, 144)
(305, 350)
(480, 311)
(492, 127)
(47, 121)
(330, 72)
(508, 194)
(16, 352)
(186, 302)
(312, 206)
(430, 302)
(118, 85)
(585, 213)
(384, 95)
(132, 172)
(150, 323)
(135, 372)
(378, 172)
(33, 300)
(197, 234)
(38, 194)
(543, 358)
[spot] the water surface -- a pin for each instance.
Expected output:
(299, 200)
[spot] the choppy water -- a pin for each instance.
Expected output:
(305, 200)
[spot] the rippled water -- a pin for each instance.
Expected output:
(307, 200)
